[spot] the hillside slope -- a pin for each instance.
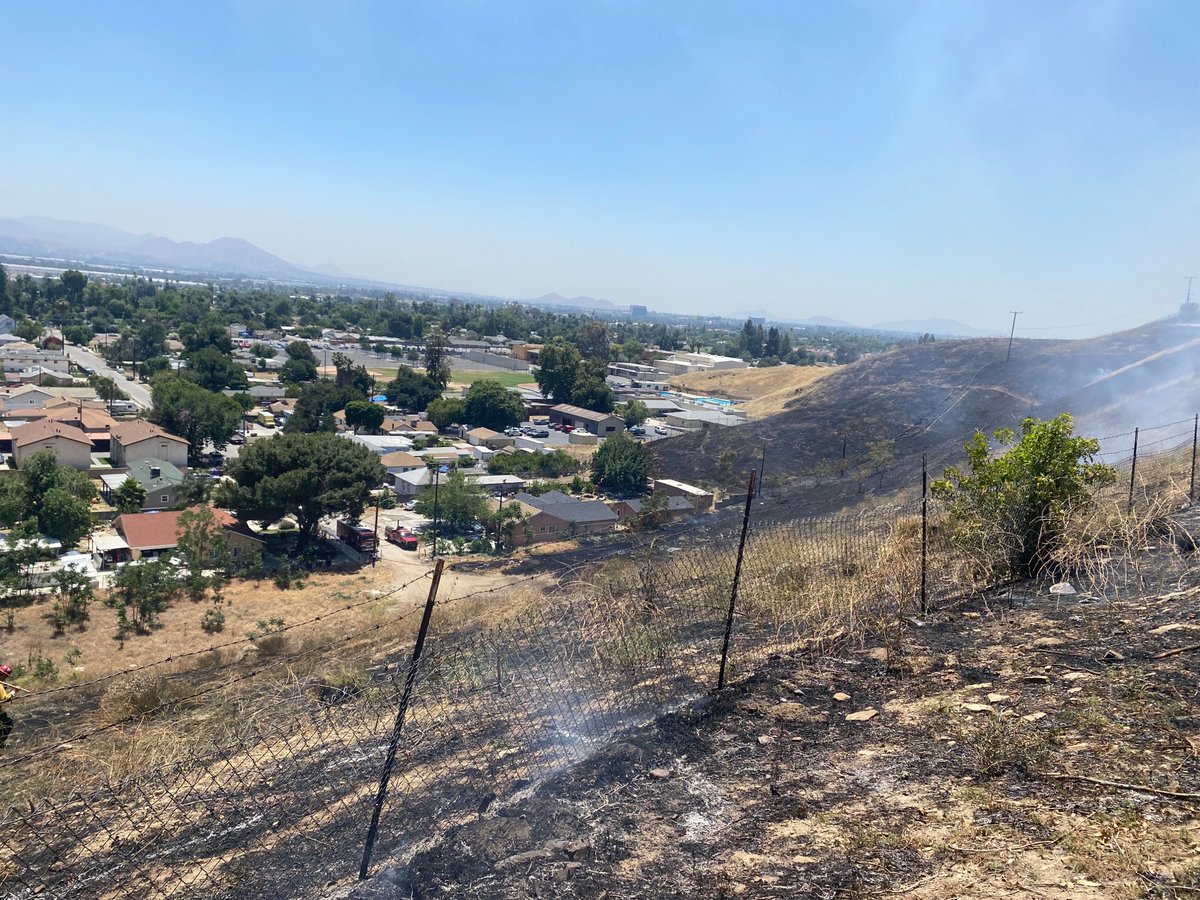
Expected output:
(767, 391)
(927, 398)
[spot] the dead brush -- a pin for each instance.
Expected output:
(140, 697)
(1101, 544)
(999, 744)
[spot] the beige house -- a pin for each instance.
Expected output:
(698, 498)
(485, 437)
(70, 446)
(139, 440)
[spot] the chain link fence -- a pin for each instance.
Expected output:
(260, 780)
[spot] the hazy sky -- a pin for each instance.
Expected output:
(863, 160)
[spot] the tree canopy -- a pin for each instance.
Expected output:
(621, 464)
(185, 408)
(411, 390)
(437, 358)
(635, 412)
(447, 411)
(489, 404)
(558, 370)
(308, 476)
(461, 502)
(364, 414)
(57, 499)
(317, 403)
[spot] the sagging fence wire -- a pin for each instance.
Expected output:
(273, 789)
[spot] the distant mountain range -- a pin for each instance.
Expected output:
(43, 237)
(78, 243)
(576, 302)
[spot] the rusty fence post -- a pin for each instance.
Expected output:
(1133, 469)
(398, 727)
(924, 533)
(737, 575)
(1195, 435)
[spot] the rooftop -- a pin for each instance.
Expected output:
(579, 412)
(127, 433)
(44, 430)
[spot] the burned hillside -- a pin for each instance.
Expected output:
(927, 398)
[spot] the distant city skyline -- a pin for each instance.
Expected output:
(866, 162)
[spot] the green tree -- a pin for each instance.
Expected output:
(621, 464)
(364, 414)
(410, 390)
(437, 358)
(1010, 505)
(446, 411)
(633, 350)
(489, 404)
(592, 393)
(144, 590)
(262, 351)
(65, 516)
(214, 370)
(204, 548)
(130, 497)
(301, 364)
(308, 476)
(73, 282)
(558, 370)
(591, 340)
(316, 405)
(635, 412)
(107, 390)
(28, 330)
(74, 595)
(188, 410)
(460, 502)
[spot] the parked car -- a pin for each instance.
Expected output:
(658, 429)
(539, 433)
(637, 429)
(237, 438)
(410, 505)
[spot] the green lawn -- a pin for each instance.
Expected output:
(508, 379)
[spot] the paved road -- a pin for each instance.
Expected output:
(138, 393)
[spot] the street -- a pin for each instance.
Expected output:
(138, 393)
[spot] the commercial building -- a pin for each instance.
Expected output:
(594, 422)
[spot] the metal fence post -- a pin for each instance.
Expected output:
(924, 533)
(409, 681)
(737, 575)
(1133, 468)
(1195, 435)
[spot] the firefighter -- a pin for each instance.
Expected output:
(7, 693)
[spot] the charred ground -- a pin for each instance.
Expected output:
(927, 398)
(966, 776)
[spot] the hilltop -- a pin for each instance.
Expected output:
(766, 391)
(927, 398)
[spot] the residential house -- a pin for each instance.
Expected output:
(699, 499)
(485, 437)
(70, 446)
(92, 421)
(160, 479)
(409, 484)
(561, 517)
(594, 422)
(500, 485)
(381, 444)
(26, 397)
(150, 534)
(399, 463)
(13, 360)
(141, 440)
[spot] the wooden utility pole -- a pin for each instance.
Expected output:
(1011, 333)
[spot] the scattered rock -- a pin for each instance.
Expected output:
(1074, 676)
(1036, 679)
(979, 707)
(879, 654)
(998, 698)
(841, 697)
(659, 773)
(863, 715)
(1062, 587)
(978, 687)
(1034, 717)
(1112, 656)
(1167, 629)
(1048, 642)
(517, 860)
(766, 739)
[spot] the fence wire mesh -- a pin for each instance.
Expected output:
(261, 783)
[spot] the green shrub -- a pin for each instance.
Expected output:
(1008, 508)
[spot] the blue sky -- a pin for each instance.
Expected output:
(863, 160)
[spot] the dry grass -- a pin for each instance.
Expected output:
(766, 391)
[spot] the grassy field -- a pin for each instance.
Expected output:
(463, 378)
(766, 391)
